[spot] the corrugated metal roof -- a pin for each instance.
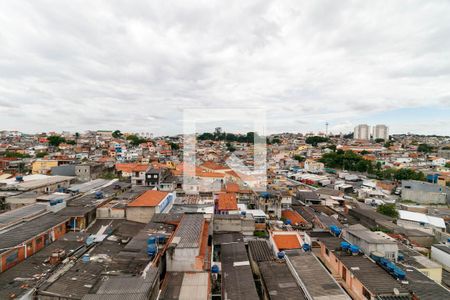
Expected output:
(189, 231)
(279, 282)
(237, 279)
(317, 281)
(28, 230)
(260, 250)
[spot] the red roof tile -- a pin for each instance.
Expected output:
(149, 199)
(227, 201)
(286, 241)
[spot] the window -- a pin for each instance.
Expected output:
(344, 273)
(365, 293)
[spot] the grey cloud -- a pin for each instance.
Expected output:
(82, 64)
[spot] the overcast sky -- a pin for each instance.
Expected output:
(135, 65)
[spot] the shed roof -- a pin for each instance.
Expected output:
(150, 198)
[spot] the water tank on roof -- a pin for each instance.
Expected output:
(400, 256)
(399, 273)
(53, 202)
(99, 195)
(288, 222)
(265, 195)
(354, 249)
(376, 256)
(345, 246)
(215, 269)
(151, 246)
(335, 230)
(243, 213)
(86, 258)
(306, 247)
(161, 238)
(19, 178)
(280, 255)
(391, 266)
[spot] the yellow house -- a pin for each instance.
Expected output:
(43, 166)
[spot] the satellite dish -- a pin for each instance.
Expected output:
(396, 292)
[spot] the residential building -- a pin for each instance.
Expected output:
(371, 241)
(380, 132)
(149, 203)
(424, 192)
(362, 132)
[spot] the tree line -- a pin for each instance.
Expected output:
(349, 160)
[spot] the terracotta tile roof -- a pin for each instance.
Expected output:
(213, 166)
(232, 187)
(295, 217)
(198, 172)
(148, 199)
(286, 241)
(227, 201)
(132, 167)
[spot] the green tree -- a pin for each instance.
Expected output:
(15, 154)
(424, 148)
(117, 134)
(41, 154)
(299, 158)
(388, 210)
(314, 140)
(135, 140)
(55, 140)
(447, 165)
(230, 147)
(174, 146)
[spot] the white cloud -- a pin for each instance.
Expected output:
(75, 65)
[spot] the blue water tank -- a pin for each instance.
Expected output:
(243, 213)
(399, 273)
(265, 195)
(19, 178)
(288, 222)
(99, 195)
(354, 249)
(345, 245)
(306, 247)
(53, 202)
(280, 255)
(215, 269)
(86, 258)
(335, 230)
(89, 240)
(391, 266)
(161, 239)
(400, 256)
(151, 246)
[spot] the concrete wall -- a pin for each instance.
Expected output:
(389, 250)
(140, 214)
(424, 192)
(182, 260)
(352, 285)
(12, 257)
(244, 225)
(110, 213)
(441, 257)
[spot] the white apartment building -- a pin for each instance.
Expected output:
(380, 132)
(362, 132)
